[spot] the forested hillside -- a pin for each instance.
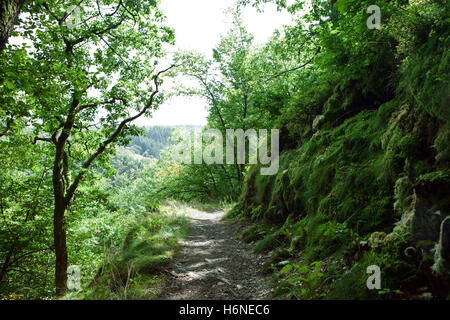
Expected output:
(152, 142)
(364, 165)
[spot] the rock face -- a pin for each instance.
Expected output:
(442, 256)
(425, 223)
(444, 241)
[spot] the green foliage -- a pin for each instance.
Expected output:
(254, 233)
(269, 243)
(151, 144)
(425, 72)
(302, 282)
(67, 98)
(327, 239)
(441, 145)
(390, 259)
(364, 126)
(207, 183)
(130, 270)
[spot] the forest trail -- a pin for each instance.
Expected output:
(212, 265)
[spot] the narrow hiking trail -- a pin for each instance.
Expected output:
(212, 265)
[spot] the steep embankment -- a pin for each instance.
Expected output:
(367, 184)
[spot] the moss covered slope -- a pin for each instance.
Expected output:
(366, 187)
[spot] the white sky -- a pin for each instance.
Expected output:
(198, 26)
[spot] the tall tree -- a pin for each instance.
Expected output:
(224, 81)
(92, 67)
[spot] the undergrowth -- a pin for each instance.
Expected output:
(131, 272)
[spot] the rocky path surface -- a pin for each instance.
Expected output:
(212, 265)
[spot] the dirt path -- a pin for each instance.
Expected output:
(212, 265)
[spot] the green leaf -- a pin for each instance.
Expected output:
(10, 85)
(286, 268)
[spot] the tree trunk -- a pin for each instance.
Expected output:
(59, 221)
(9, 11)
(7, 261)
(64, 189)
(59, 236)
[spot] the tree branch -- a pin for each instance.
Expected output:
(293, 69)
(29, 253)
(71, 191)
(36, 139)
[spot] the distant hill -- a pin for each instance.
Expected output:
(155, 139)
(150, 144)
